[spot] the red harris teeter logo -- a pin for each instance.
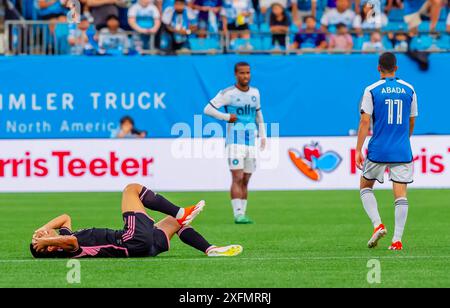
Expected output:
(313, 161)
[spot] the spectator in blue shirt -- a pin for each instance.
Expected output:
(176, 22)
(51, 10)
(310, 37)
(208, 15)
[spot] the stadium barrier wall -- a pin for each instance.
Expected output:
(199, 164)
(308, 95)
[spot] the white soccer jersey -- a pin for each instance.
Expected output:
(244, 105)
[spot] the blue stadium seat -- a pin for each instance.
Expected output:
(396, 15)
(240, 43)
(293, 28)
(395, 26)
(424, 26)
(387, 43)
(204, 44)
(61, 34)
(421, 42)
(358, 42)
(264, 28)
(256, 43)
(266, 42)
(444, 42)
(254, 28)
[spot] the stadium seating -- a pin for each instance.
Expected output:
(259, 28)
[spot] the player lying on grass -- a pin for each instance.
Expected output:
(141, 237)
(392, 105)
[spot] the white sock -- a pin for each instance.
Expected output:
(370, 205)
(401, 214)
(237, 207)
(244, 205)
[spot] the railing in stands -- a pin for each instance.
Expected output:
(51, 38)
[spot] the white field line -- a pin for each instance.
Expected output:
(239, 259)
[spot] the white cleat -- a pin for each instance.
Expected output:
(378, 234)
(226, 251)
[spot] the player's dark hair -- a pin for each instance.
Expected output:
(240, 64)
(47, 255)
(126, 119)
(387, 62)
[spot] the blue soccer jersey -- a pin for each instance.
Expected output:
(245, 106)
(391, 102)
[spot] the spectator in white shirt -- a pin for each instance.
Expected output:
(375, 44)
(341, 14)
(145, 19)
(370, 18)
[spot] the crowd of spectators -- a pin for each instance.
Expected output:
(127, 26)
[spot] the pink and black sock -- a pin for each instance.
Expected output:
(158, 203)
(194, 239)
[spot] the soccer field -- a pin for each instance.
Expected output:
(300, 239)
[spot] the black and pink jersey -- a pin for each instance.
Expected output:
(139, 238)
(100, 243)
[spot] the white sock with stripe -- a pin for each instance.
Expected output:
(370, 205)
(401, 214)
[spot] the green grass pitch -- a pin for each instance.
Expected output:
(300, 239)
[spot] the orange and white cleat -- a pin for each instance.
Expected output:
(378, 234)
(190, 213)
(396, 246)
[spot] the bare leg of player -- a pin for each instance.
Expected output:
(401, 214)
(371, 207)
(130, 199)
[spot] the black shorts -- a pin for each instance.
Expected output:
(233, 27)
(141, 237)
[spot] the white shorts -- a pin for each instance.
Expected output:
(414, 20)
(241, 157)
(398, 173)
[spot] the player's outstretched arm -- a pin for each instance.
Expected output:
(363, 132)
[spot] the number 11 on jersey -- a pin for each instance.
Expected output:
(391, 103)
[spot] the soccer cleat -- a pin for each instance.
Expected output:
(227, 251)
(396, 246)
(190, 213)
(378, 234)
(242, 220)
